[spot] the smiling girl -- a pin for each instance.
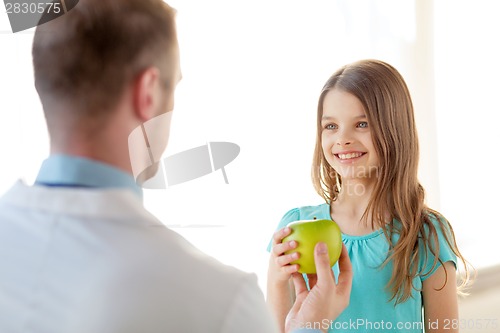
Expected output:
(365, 165)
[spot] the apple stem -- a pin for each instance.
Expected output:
(314, 218)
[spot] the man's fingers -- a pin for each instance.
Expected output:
(322, 261)
(312, 279)
(344, 260)
(346, 274)
(299, 299)
(299, 283)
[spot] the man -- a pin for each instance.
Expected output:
(78, 252)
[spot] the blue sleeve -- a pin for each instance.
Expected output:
(445, 252)
(290, 216)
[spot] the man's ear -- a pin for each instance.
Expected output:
(147, 93)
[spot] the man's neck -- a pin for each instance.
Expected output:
(103, 150)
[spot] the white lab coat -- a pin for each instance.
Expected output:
(78, 260)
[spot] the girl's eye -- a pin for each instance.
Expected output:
(363, 124)
(331, 126)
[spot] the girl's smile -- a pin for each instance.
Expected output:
(347, 157)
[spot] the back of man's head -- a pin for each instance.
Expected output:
(84, 59)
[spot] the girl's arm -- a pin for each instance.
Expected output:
(280, 290)
(280, 297)
(441, 303)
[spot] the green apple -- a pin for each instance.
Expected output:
(308, 233)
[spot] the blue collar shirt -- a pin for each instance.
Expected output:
(72, 171)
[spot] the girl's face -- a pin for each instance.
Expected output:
(346, 138)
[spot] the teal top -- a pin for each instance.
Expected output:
(71, 171)
(369, 309)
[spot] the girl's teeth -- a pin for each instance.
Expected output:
(350, 155)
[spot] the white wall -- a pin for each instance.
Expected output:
(468, 114)
(252, 73)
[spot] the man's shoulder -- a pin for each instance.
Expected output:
(113, 227)
(172, 282)
(123, 264)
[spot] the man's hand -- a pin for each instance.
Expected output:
(326, 299)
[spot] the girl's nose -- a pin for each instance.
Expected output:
(344, 137)
(343, 142)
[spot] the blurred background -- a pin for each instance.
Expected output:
(252, 74)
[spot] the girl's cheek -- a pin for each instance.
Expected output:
(327, 142)
(324, 144)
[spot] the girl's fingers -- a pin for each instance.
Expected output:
(287, 258)
(281, 248)
(290, 269)
(280, 234)
(283, 260)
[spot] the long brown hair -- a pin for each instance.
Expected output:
(389, 109)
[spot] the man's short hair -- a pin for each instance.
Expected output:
(86, 57)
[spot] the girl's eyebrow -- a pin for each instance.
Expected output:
(333, 118)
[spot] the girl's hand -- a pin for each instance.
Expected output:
(279, 265)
